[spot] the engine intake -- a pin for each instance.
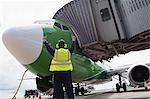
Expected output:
(139, 74)
(44, 86)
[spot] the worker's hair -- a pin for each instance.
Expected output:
(61, 43)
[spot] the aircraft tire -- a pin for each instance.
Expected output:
(76, 91)
(118, 87)
(124, 87)
(82, 91)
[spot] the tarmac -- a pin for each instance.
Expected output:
(109, 94)
(140, 94)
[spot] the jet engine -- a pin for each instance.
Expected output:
(138, 74)
(44, 85)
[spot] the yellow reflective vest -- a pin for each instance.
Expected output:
(61, 61)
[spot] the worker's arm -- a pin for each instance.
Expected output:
(48, 47)
(73, 44)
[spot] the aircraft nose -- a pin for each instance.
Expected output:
(24, 43)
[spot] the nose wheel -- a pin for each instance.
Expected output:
(121, 85)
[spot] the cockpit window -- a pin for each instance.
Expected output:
(62, 27)
(65, 28)
(57, 25)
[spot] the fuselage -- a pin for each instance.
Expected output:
(84, 67)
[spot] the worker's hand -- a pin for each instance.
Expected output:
(45, 39)
(73, 38)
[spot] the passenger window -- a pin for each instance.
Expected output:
(65, 27)
(105, 14)
(57, 25)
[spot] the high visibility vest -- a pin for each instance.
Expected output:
(61, 61)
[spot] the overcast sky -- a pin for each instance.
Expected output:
(24, 12)
(16, 13)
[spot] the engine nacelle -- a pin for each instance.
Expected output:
(44, 86)
(138, 74)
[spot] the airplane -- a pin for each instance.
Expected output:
(26, 45)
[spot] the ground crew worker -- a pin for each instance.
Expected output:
(61, 66)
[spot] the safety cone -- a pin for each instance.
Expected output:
(14, 97)
(40, 97)
(146, 88)
(145, 85)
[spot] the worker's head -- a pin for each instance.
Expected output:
(61, 43)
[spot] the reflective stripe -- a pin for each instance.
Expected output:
(61, 64)
(61, 68)
(61, 61)
(57, 58)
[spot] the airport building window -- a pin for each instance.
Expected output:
(123, 10)
(146, 2)
(140, 3)
(143, 3)
(57, 25)
(127, 7)
(134, 4)
(137, 4)
(105, 14)
(130, 3)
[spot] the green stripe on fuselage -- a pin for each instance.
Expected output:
(84, 68)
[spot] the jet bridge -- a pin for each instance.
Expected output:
(105, 28)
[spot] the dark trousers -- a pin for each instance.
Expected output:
(63, 78)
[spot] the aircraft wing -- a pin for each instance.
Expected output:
(125, 68)
(119, 70)
(148, 64)
(137, 74)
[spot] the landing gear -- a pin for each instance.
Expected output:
(29, 93)
(121, 85)
(118, 87)
(77, 89)
(80, 89)
(124, 87)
